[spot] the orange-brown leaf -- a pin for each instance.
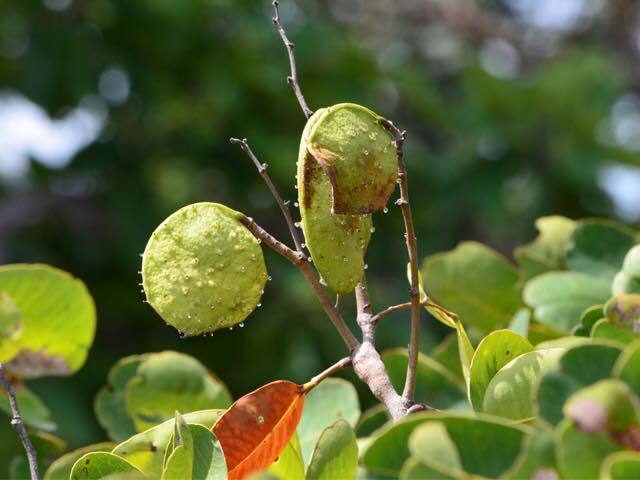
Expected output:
(257, 427)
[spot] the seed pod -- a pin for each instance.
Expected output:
(357, 154)
(202, 270)
(337, 242)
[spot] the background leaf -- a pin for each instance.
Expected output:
(335, 456)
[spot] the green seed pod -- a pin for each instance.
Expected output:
(624, 310)
(202, 270)
(337, 242)
(357, 154)
(627, 280)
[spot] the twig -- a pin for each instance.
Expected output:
(293, 78)
(262, 170)
(410, 237)
(18, 424)
(403, 306)
(300, 261)
(336, 367)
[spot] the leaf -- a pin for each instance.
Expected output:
(97, 465)
(435, 385)
(512, 392)
(358, 156)
(604, 329)
(170, 381)
(538, 453)
(178, 461)
(494, 351)
(446, 354)
(621, 466)
(431, 444)
(202, 269)
(332, 400)
(547, 251)
(371, 420)
(520, 322)
(559, 298)
(58, 321)
(580, 366)
(10, 318)
(627, 367)
(146, 450)
(487, 445)
(588, 318)
(109, 405)
(579, 454)
(627, 280)
(335, 456)
(289, 465)
(257, 427)
(199, 456)
(33, 410)
(465, 349)
(340, 268)
(475, 282)
(598, 248)
(414, 470)
(60, 469)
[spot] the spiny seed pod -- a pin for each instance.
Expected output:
(357, 154)
(202, 270)
(337, 242)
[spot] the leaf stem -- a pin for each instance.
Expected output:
(293, 78)
(403, 306)
(408, 392)
(18, 424)
(336, 367)
(262, 170)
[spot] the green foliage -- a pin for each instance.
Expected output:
(335, 455)
(202, 270)
(58, 321)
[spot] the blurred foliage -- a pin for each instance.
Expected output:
(500, 132)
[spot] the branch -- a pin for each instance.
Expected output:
(293, 78)
(18, 424)
(300, 261)
(410, 236)
(262, 170)
(403, 306)
(336, 367)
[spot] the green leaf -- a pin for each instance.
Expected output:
(494, 351)
(435, 385)
(10, 318)
(335, 456)
(446, 354)
(58, 321)
(332, 400)
(604, 329)
(357, 154)
(621, 466)
(559, 298)
(475, 282)
(341, 268)
(413, 469)
(202, 269)
(539, 452)
(512, 392)
(431, 444)
(598, 248)
(520, 322)
(580, 366)
(61, 468)
(579, 454)
(109, 405)
(487, 445)
(371, 420)
(289, 465)
(547, 251)
(628, 279)
(33, 410)
(627, 367)
(97, 465)
(170, 381)
(146, 450)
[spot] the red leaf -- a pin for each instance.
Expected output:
(257, 427)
